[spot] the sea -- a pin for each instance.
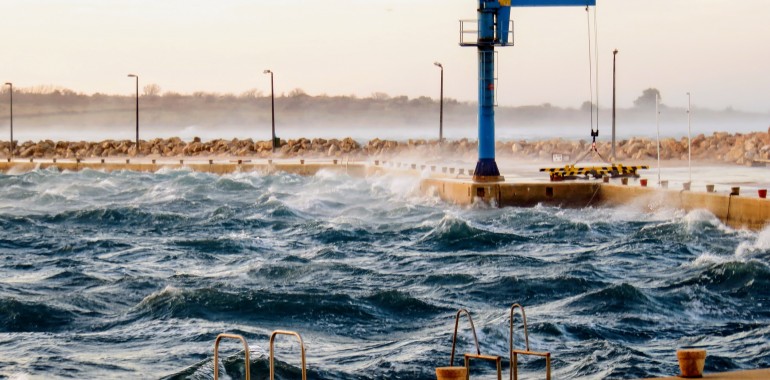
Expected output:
(129, 275)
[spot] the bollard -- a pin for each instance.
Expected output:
(691, 362)
(102, 161)
(451, 373)
(461, 171)
(54, 160)
(433, 168)
(736, 191)
(269, 162)
(9, 159)
(443, 170)
(624, 181)
(31, 160)
(181, 162)
(77, 160)
(211, 162)
(606, 179)
(128, 161)
(153, 161)
(376, 162)
(709, 188)
(451, 170)
(664, 184)
(240, 162)
(414, 166)
(762, 193)
(686, 186)
(422, 167)
(643, 182)
(302, 162)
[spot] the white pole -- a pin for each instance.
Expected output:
(689, 135)
(657, 122)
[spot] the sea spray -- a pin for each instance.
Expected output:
(146, 269)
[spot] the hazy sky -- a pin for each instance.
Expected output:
(717, 49)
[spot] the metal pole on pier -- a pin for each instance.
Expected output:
(272, 105)
(689, 137)
(11, 94)
(612, 155)
(657, 124)
(441, 107)
(137, 110)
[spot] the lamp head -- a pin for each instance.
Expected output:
(8, 84)
(438, 64)
(615, 51)
(267, 72)
(133, 76)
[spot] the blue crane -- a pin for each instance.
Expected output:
(494, 29)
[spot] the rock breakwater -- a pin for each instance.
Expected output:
(721, 146)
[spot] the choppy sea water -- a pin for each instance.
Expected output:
(132, 275)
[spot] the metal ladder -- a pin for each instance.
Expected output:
(477, 355)
(515, 353)
(247, 361)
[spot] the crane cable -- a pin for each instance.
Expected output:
(590, 71)
(593, 83)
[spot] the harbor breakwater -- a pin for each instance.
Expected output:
(735, 148)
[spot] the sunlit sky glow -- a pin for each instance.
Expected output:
(717, 49)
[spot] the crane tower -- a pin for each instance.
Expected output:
(494, 28)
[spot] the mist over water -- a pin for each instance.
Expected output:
(385, 132)
(132, 275)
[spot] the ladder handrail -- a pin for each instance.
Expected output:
(514, 353)
(524, 319)
(454, 337)
(272, 353)
(216, 354)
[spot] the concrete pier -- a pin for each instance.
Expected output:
(455, 186)
(734, 210)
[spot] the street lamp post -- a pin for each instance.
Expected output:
(9, 84)
(689, 136)
(137, 110)
(612, 156)
(441, 107)
(657, 128)
(272, 105)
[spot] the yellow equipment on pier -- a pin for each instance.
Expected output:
(572, 171)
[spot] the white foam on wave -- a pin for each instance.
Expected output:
(169, 169)
(709, 258)
(169, 290)
(20, 376)
(404, 189)
(757, 248)
(700, 216)
(330, 174)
